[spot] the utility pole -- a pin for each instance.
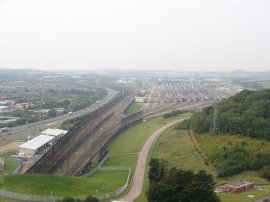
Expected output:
(215, 123)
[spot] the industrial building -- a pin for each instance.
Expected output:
(235, 187)
(140, 99)
(47, 138)
(57, 133)
(35, 145)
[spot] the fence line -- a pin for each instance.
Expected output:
(117, 192)
(92, 171)
(40, 198)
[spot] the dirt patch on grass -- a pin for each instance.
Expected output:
(10, 147)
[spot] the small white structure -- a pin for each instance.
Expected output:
(140, 99)
(35, 145)
(57, 133)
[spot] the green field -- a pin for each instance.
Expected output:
(99, 183)
(125, 148)
(265, 84)
(123, 152)
(9, 164)
(134, 107)
(176, 147)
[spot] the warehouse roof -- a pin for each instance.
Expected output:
(37, 142)
(54, 132)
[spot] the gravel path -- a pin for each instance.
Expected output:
(137, 183)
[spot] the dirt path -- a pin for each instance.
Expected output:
(137, 183)
(11, 146)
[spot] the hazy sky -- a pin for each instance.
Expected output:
(128, 34)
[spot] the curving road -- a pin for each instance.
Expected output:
(137, 183)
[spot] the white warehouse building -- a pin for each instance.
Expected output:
(35, 145)
(57, 133)
(46, 138)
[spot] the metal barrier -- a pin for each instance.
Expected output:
(39, 198)
(26, 197)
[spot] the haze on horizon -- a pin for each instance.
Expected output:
(184, 35)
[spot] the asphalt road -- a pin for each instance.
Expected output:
(33, 129)
(137, 183)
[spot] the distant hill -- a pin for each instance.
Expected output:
(247, 113)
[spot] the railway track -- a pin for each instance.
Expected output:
(75, 138)
(111, 128)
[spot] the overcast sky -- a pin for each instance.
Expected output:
(135, 34)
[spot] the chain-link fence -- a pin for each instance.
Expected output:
(39, 198)
(26, 197)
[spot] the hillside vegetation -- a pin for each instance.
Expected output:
(247, 113)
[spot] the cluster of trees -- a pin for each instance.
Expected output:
(246, 113)
(178, 185)
(173, 113)
(70, 199)
(264, 172)
(230, 161)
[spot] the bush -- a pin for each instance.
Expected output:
(264, 172)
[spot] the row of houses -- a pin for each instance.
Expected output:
(47, 138)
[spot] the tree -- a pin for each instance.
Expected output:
(91, 199)
(156, 170)
(179, 185)
(52, 113)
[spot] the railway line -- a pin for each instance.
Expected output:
(88, 136)
(75, 138)
(97, 149)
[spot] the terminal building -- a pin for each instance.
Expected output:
(57, 133)
(45, 139)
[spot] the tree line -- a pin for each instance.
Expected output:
(247, 113)
(176, 185)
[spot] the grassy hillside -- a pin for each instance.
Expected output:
(176, 146)
(245, 114)
(101, 182)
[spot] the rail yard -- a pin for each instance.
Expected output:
(87, 141)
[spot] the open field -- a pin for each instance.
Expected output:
(9, 164)
(123, 152)
(99, 183)
(265, 84)
(176, 147)
(133, 108)
(130, 142)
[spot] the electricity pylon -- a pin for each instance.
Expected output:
(215, 123)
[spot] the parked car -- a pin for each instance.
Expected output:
(6, 129)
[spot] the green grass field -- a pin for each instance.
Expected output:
(177, 148)
(125, 148)
(99, 183)
(265, 84)
(123, 152)
(134, 107)
(9, 164)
